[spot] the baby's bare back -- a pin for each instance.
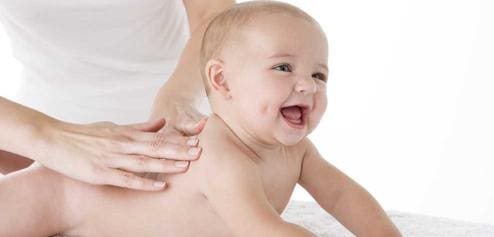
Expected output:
(110, 211)
(180, 210)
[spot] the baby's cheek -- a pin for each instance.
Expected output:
(321, 101)
(268, 110)
(313, 122)
(316, 115)
(264, 109)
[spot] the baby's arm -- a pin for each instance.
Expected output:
(234, 189)
(30, 203)
(342, 197)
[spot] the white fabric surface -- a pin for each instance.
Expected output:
(86, 61)
(314, 218)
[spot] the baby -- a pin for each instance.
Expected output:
(265, 73)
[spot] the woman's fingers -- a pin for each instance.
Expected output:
(141, 164)
(116, 150)
(161, 148)
(125, 179)
(170, 136)
(170, 145)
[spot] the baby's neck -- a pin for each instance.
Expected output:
(237, 135)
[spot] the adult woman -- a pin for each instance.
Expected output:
(93, 61)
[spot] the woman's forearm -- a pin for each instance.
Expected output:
(185, 86)
(21, 128)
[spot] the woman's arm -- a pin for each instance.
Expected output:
(343, 198)
(179, 98)
(100, 153)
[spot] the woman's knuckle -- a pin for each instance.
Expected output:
(158, 141)
(126, 178)
(140, 161)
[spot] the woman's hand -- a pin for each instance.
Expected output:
(106, 153)
(184, 119)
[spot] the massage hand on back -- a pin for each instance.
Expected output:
(86, 62)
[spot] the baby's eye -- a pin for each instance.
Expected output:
(320, 76)
(284, 68)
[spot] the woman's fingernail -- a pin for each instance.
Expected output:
(181, 164)
(159, 184)
(194, 151)
(192, 141)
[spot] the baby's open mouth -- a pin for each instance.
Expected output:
(294, 115)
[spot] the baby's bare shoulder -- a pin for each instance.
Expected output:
(303, 148)
(296, 153)
(222, 153)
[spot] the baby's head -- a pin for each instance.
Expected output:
(265, 70)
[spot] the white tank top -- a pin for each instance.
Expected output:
(86, 61)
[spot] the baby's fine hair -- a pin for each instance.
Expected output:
(226, 24)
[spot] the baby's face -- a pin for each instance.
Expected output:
(277, 76)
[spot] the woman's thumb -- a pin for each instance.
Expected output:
(191, 128)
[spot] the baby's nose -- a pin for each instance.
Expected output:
(306, 86)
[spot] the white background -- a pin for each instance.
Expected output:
(411, 102)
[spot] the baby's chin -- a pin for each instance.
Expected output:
(290, 140)
(293, 136)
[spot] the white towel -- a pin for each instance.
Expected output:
(314, 218)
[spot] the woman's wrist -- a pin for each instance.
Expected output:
(180, 91)
(41, 138)
(169, 106)
(23, 129)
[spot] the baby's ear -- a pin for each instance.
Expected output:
(216, 78)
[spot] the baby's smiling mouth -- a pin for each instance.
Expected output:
(295, 115)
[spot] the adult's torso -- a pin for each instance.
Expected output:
(88, 61)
